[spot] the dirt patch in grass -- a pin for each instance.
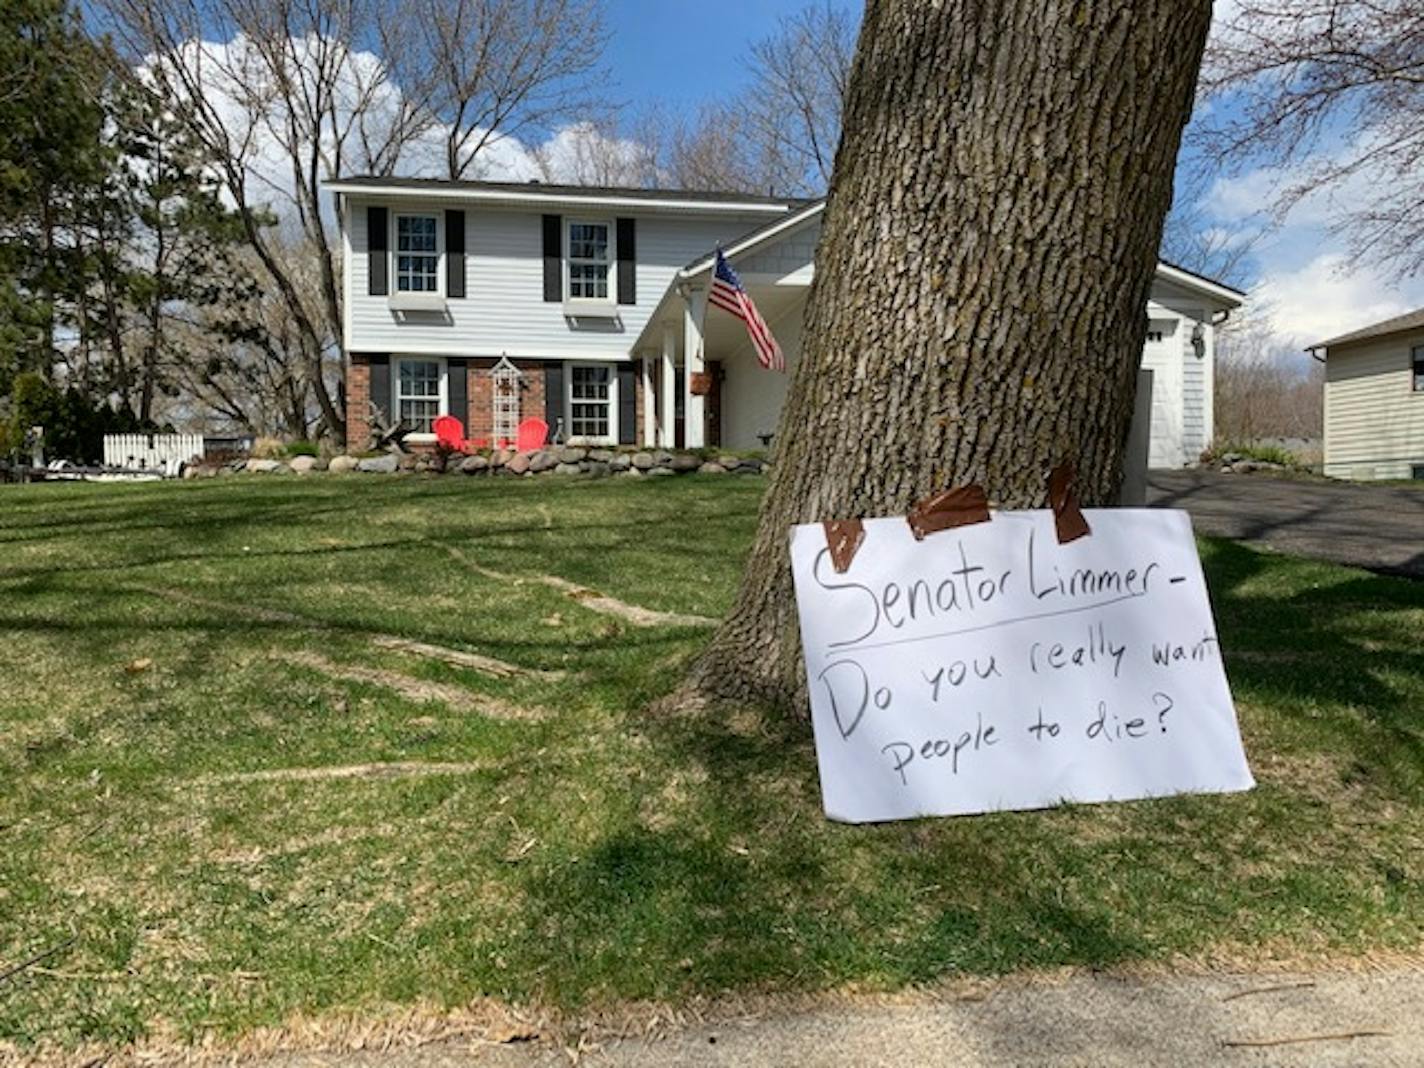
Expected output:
(591, 599)
(486, 665)
(390, 770)
(419, 690)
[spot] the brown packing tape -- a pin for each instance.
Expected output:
(1067, 516)
(843, 538)
(958, 507)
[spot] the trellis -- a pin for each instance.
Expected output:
(505, 380)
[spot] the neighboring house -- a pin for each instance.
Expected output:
(598, 296)
(1374, 400)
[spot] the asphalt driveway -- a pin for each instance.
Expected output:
(1376, 527)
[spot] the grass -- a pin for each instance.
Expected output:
(161, 643)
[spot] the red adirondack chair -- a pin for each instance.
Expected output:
(532, 434)
(450, 434)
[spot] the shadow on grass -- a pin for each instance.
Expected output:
(752, 886)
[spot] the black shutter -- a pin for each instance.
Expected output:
(459, 376)
(380, 383)
(455, 255)
(627, 394)
(554, 397)
(376, 283)
(627, 262)
(553, 261)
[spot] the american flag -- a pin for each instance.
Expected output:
(730, 295)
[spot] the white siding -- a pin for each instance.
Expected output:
(504, 311)
(791, 255)
(751, 395)
(1374, 421)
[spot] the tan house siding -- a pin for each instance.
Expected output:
(1374, 420)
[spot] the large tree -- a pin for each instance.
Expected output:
(987, 253)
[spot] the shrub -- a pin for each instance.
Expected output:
(268, 449)
(303, 448)
(1268, 454)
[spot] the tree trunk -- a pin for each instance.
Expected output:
(985, 262)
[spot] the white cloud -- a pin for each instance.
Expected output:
(1325, 297)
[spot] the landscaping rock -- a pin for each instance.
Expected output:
(685, 462)
(407, 461)
(320, 463)
(642, 460)
(261, 467)
(543, 460)
(518, 464)
(343, 465)
(598, 469)
(567, 469)
(621, 462)
(600, 456)
(379, 465)
(500, 457)
(662, 458)
(632, 472)
(661, 471)
(302, 465)
(728, 461)
(711, 469)
(474, 465)
(571, 454)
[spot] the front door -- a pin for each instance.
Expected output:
(713, 405)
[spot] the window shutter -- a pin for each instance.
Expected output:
(380, 383)
(554, 397)
(455, 255)
(627, 394)
(553, 260)
(376, 282)
(458, 374)
(627, 262)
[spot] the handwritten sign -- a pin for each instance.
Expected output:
(989, 668)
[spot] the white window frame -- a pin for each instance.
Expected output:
(397, 293)
(1416, 361)
(611, 438)
(444, 407)
(611, 300)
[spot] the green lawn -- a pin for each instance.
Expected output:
(586, 850)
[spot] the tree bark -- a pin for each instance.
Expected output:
(985, 262)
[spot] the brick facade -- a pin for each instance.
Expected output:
(479, 417)
(479, 420)
(358, 403)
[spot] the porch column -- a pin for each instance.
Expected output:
(667, 427)
(694, 407)
(650, 421)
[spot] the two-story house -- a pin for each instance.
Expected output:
(598, 297)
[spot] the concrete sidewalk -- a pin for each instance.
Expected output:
(1082, 1020)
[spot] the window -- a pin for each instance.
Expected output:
(590, 403)
(1416, 472)
(589, 261)
(420, 394)
(417, 255)
(1418, 355)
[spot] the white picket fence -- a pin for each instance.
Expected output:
(166, 451)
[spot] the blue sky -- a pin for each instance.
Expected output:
(681, 54)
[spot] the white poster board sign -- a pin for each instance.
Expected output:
(987, 667)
